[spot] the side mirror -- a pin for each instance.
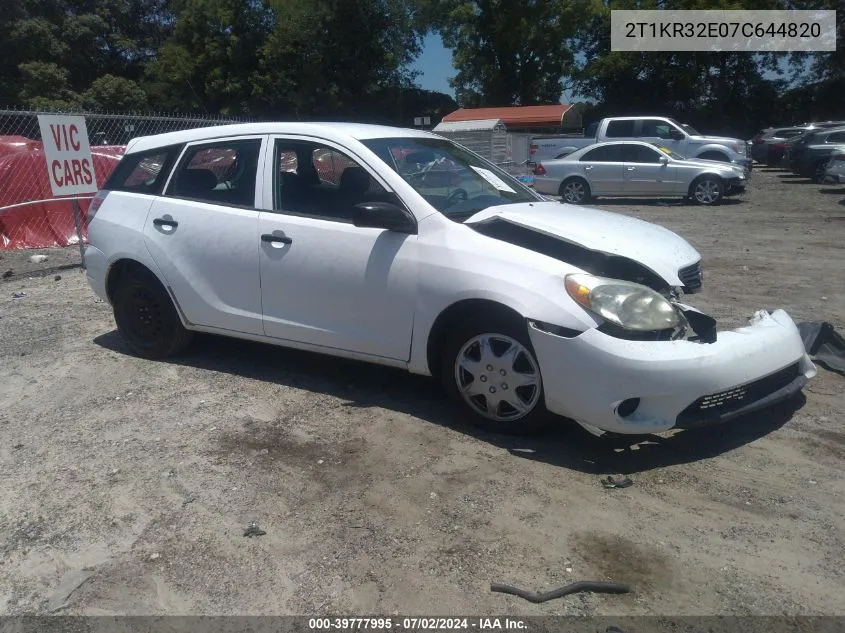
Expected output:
(384, 215)
(664, 160)
(677, 135)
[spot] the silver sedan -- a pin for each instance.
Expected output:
(636, 168)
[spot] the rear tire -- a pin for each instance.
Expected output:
(575, 191)
(146, 317)
(707, 190)
(490, 369)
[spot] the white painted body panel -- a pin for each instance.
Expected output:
(374, 295)
(586, 377)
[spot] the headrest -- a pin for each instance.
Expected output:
(196, 181)
(354, 180)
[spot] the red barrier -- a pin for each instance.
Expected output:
(23, 178)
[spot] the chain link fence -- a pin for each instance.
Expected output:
(31, 218)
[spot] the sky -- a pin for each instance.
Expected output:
(435, 65)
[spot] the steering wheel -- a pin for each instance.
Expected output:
(458, 195)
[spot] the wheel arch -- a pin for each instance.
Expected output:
(710, 151)
(120, 268)
(459, 311)
(127, 265)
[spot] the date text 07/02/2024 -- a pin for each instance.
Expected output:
(415, 624)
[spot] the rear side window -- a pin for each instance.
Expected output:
(598, 155)
(620, 129)
(640, 154)
(220, 173)
(144, 172)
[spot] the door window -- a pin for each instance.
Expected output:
(220, 173)
(620, 129)
(640, 154)
(656, 128)
(319, 181)
(603, 154)
(836, 137)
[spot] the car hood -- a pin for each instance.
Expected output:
(653, 247)
(716, 139)
(715, 165)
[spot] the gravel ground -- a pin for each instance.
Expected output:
(128, 484)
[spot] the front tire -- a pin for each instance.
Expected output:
(575, 191)
(490, 368)
(146, 318)
(707, 190)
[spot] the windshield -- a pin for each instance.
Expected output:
(453, 180)
(686, 128)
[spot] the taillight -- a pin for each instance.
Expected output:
(839, 157)
(778, 146)
(532, 149)
(96, 203)
(539, 170)
(758, 139)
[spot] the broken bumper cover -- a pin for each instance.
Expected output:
(673, 384)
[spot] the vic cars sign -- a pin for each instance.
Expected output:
(68, 154)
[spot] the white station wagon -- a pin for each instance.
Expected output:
(402, 248)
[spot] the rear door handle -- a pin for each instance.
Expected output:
(165, 222)
(587, 167)
(630, 168)
(269, 237)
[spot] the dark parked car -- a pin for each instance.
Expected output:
(761, 144)
(809, 154)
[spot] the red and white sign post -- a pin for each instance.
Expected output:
(70, 167)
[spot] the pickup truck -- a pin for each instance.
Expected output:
(680, 138)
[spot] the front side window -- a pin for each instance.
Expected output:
(219, 173)
(836, 137)
(656, 128)
(453, 180)
(319, 181)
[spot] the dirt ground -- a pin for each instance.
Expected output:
(127, 484)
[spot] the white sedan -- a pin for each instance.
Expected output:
(636, 169)
(326, 237)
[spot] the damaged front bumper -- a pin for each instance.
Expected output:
(624, 386)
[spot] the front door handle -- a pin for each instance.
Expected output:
(165, 222)
(269, 237)
(631, 168)
(588, 167)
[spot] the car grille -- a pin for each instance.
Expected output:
(692, 277)
(715, 405)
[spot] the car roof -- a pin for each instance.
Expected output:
(337, 131)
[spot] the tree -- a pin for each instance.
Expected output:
(208, 62)
(117, 94)
(723, 91)
(508, 52)
(44, 86)
(330, 58)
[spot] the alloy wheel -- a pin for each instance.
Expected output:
(498, 377)
(707, 191)
(574, 191)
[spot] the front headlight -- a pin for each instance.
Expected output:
(629, 305)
